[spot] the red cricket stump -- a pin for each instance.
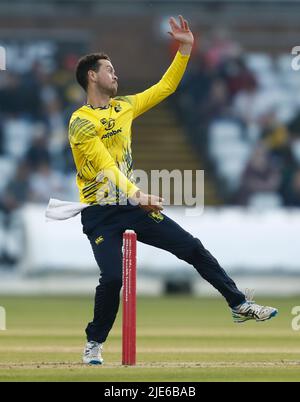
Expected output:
(129, 299)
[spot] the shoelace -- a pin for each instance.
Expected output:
(255, 308)
(249, 294)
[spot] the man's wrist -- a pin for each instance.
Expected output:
(185, 49)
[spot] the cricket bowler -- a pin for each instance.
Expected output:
(100, 139)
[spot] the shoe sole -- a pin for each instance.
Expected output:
(93, 363)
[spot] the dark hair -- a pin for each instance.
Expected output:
(87, 63)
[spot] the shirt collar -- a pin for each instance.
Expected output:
(99, 107)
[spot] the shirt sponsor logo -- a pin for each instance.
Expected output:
(112, 133)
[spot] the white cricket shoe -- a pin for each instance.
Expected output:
(92, 353)
(251, 311)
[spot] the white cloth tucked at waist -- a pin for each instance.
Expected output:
(61, 210)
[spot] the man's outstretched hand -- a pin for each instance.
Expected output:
(182, 33)
(148, 202)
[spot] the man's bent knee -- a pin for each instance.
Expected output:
(111, 281)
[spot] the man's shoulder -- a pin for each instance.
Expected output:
(125, 99)
(82, 125)
(84, 112)
(83, 116)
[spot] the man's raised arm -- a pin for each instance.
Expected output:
(168, 84)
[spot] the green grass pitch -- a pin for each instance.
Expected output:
(179, 339)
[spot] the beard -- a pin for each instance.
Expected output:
(111, 90)
(114, 91)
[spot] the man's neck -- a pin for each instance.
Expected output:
(98, 100)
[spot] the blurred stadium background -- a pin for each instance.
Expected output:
(236, 115)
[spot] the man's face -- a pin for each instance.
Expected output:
(105, 78)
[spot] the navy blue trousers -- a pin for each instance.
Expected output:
(105, 225)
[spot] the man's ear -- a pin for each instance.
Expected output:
(92, 75)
